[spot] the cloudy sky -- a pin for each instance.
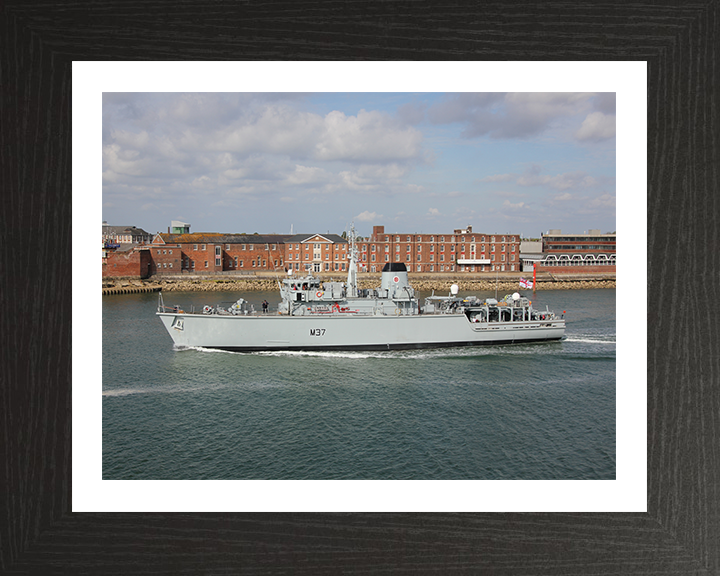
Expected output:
(413, 162)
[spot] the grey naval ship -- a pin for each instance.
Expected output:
(317, 315)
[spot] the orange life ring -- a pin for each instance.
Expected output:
(319, 294)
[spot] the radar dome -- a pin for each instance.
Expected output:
(516, 296)
(454, 289)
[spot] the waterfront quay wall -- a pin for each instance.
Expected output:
(468, 282)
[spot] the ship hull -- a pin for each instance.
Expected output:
(345, 332)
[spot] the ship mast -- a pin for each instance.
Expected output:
(352, 266)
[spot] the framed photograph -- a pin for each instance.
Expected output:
(657, 514)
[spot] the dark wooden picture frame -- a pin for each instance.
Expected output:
(39, 534)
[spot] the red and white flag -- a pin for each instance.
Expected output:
(528, 284)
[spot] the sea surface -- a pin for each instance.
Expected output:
(522, 411)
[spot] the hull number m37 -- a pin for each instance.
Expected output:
(317, 331)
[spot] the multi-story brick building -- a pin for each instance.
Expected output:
(215, 252)
(317, 253)
(591, 252)
(461, 251)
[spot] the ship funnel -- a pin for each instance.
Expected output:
(394, 278)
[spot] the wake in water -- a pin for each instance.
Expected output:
(586, 340)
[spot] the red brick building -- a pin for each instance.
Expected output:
(317, 253)
(578, 253)
(461, 251)
(133, 263)
(202, 253)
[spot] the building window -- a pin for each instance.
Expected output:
(206, 263)
(252, 247)
(419, 249)
(419, 258)
(227, 246)
(432, 268)
(203, 246)
(387, 258)
(419, 268)
(327, 266)
(192, 264)
(407, 258)
(372, 247)
(372, 258)
(218, 262)
(397, 257)
(442, 257)
(236, 261)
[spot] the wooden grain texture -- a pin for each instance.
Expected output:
(680, 532)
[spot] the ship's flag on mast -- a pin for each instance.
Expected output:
(527, 284)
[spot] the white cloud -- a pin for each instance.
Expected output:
(432, 212)
(512, 115)
(532, 177)
(596, 126)
(368, 216)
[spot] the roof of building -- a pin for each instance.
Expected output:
(123, 229)
(220, 238)
(308, 237)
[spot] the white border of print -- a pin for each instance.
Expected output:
(627, 493)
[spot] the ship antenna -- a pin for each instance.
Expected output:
(352, 266)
